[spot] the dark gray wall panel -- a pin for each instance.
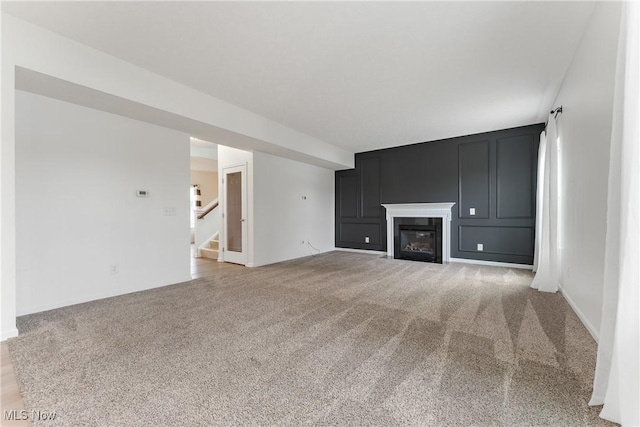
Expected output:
(429, 172)
(350, 204)
(515, 178)
(473, 181)
(356, 233)
(497, 240)
(370, 185)
(348, 192)
(420, 173)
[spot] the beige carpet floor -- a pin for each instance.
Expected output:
(336, 339)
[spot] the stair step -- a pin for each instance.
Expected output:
(209, 253)
(213, 244)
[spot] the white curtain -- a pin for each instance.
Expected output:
(542, 149)
(617, 378)
(546, 257)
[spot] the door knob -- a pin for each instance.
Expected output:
(242, 220)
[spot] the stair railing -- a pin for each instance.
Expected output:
(207, 224)
(207, 209)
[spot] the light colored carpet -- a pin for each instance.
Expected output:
(336, 339)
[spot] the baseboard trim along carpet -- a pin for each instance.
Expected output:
(10, 333)
(492, 263)
(362, 251)
(592, 330)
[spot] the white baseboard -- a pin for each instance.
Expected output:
(362, 251)
(492, 263)
(9, 334)
(593, 331)
(461, 260)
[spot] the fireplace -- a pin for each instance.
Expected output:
(419, 243)
(431, 215)
(419, 239)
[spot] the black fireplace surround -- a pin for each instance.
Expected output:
(418, 239)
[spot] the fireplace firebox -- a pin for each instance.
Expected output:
(419, 243)
(418, 239)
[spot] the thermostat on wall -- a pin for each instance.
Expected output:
(142, 193)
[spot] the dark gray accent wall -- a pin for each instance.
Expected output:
(358, 206)
(493, 173)
(474, 175)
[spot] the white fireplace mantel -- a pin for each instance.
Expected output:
(421, 210)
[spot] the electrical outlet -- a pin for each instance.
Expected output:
(366, 239)
(114, 269)
(472, 211)
(169, 211)
(480, 247)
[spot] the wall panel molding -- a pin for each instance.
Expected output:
(495, 172)
(499, 240)
(515, 177)
(474, 177)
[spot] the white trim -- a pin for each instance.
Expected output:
(580, 314)
(361, 251)
(9, 334)
(492, 263)
(421, 210)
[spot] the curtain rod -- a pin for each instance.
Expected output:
(556, 112)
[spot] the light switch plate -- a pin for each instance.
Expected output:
(480, 247)
(472, 211)
(169, 211)
(366, 239)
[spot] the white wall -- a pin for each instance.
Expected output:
(279, 219)
(584, 133)
(77, 171)
(283, 219)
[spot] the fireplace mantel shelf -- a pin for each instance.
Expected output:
(421, 210)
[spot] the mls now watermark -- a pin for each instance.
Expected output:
(23, 415)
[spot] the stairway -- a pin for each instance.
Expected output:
(211, 251)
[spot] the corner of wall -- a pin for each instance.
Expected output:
(584, 319)
(9, 333)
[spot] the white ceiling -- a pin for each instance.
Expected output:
(203, 164)
(360, 75)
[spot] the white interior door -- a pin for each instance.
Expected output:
(234, 182)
